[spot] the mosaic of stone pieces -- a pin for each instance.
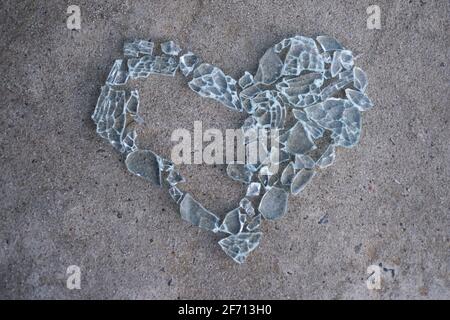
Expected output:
(312, 81)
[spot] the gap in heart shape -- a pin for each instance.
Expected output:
(167, 104)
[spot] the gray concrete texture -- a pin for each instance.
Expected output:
(67, 199)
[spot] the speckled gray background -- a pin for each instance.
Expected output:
(66, 197)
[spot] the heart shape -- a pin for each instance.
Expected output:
(295, 91)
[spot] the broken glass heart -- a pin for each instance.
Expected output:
(307, 89)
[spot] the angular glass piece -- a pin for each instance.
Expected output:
(303, 90)
(327, 114)
(170, 48)
(346, 59)
(359, 99)
(247, 206)
(118, 74)
(303, 161)
(301, 179)
(164, 65)
(174, 178)
(210, 82)
(268, 109)
(334, 88)
(283, 44)
(288, 174)
(246, 80)
(253, 189)
(188, 62)
(349, 135)
(193, 212)
(143, 163)
(270, 67)
(336, 65)
(240, 172)
(233, 223)
(240, 245)
(254, 224)
(147, 65)
(176, 194)
(302, 55)
(299, 141)
(310, 126)
(135, 48)
(329, 44)
(129, 142)
(274, 204)
(165, 164)
(327, 157)
(115, 115)
(339, 116)
(360, 81)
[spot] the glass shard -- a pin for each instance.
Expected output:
(246, 80)
(233, 223)
(303, 162)
(143, 163)
(240, 245)
(118, 74)
(274, 204)
(170, 48)
(359, 99)
(270, 67)
(346, 59)
(176, 194)
(327, 157)
(253, 189)
(247, 206)
(135, 48)
(174, 177)
(336, 65)
(360, 81)
(268, 110)
(147, 65)
(188, 62)
(240, 172)
(299, 141)
(313, 129)
(301, 179)
(302, 55)
(254, 224)
(115, 116)
(210, 82)
(329, 43)
(193, 212)
(288, 174)
(303, 90)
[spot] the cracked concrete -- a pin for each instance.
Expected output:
(66, 198)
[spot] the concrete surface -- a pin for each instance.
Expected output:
(66, 198)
